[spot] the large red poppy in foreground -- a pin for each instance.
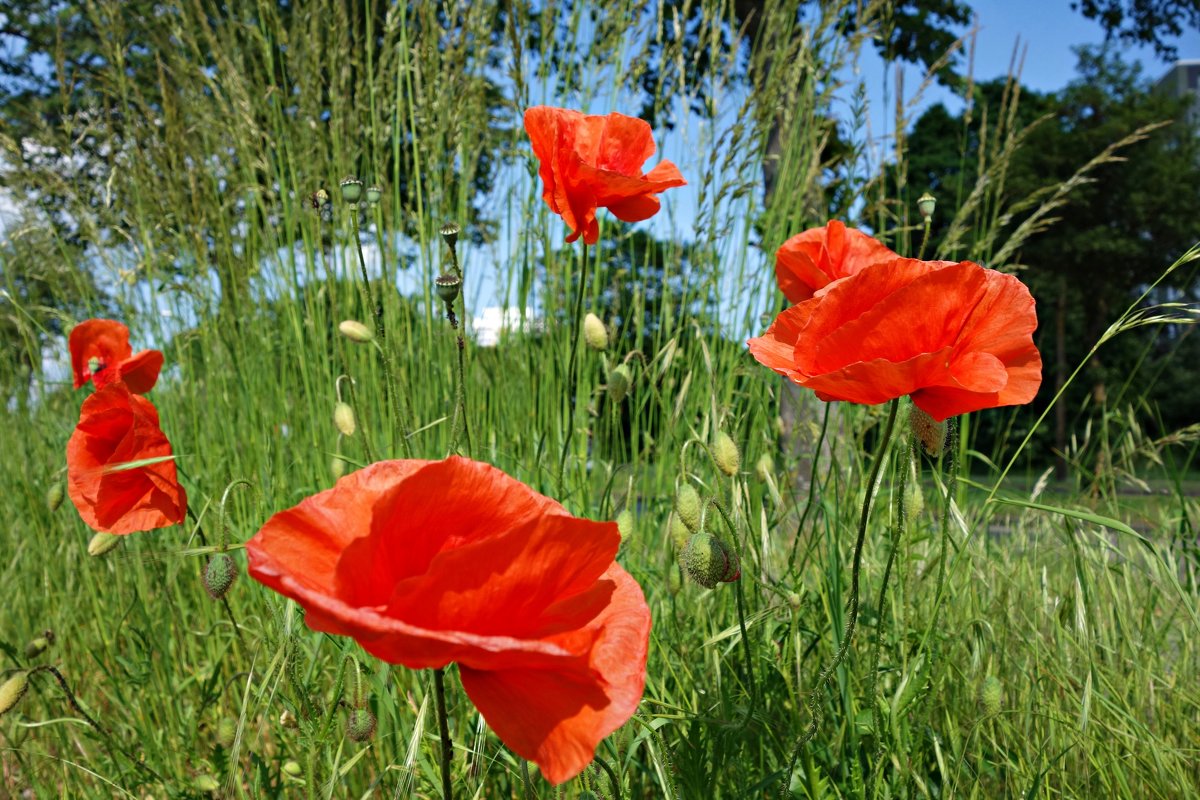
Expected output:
(117, 428)
(589, 162)
(429, 562)
(100, 352)
(957, 337)
(810, 260)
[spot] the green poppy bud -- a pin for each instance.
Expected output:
(292, 769)
(54, 496)
(219, 574)
(687, 506)
(12, 690)
(709, 560)
(448, 286)
(337, 467)
(101, 543)
(355, 331)
(677, 531)
(594, 332)
(991, 695)
(343, 418)
(726, 454)
(360, 725)
(226, 732)
(205, 783)
(39, 644)
(619, 381)
(674, 579)
(351, 189)
(625, 522)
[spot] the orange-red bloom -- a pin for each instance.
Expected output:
(117, 427)
(589, 162)
(957, 337)
(429, 562)
(810, 260)
(100, 352)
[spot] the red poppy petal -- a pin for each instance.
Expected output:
(615, 142)
(814, 258)
(105, 340)
(140, 372)
(635, 209)
(872, 382)
(556, 718)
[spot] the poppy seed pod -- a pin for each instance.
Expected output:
(374, 195)
(12, 690)
(725, 454)
(450, 233)
(351, 189)
(448, 285)
(343, 418)
(928, 431)
(926, 203)
(618, 383)
(687, 506)
(594, 332)
(355, 331)
(54, 496)
(101, 543)
(219, 574)
(709, 560)
(360, 725)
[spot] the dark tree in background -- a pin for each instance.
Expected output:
(1148, 22)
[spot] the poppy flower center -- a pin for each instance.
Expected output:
(94, 365)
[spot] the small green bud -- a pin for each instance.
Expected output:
(726, 454)
(594, 332)
(219, 574)
(226, 732)
(677, 531)
(351, 189)
(448, 286)
(764, 468)
(355, 331)
(205, 783)
(991, 695)
(360, 725)
(709, 560)
(928, 431)
(101, 543)
(292, 769)
(687, 506)
(450, 233)
(619, 381)
(674, 579)
(793, 601)
(926, 203)
(374, 195)
(38, 645)
(12, 690)
(625, 522)
(54, 496)
(343, 418)
(337, 467)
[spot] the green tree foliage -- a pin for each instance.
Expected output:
(1149, 22)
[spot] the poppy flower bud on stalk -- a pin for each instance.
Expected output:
(618, 383)
(38, 644)
(337, 467)
(625, 522)
(343, 418)
(928, 431)
(991, 695)
(710, 561)
(594, 332)
(360, 725)
(351, 189)
(687, 506)
(12, 690)
(205, 783)
(292, 769)
(219, 574)
(677, 531)
(355, 331)
(725, 454)
(101, 543)
(54, 496)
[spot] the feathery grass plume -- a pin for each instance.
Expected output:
(594, 332)
(687, 506)
(101, 543)
(12, 690)
(619, 380)
(219, 574)
(39, 644)
(355, 331)
(709, 560)
(625, 523)
(360, 725)
(343, 418)
(54, 495)
(351, 189)
(928, 431)
(725, 454)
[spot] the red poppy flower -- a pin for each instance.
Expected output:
(810, 260)
(100, 352)
(117, 427)
(429, 562)
(957, 337)
(589, 162)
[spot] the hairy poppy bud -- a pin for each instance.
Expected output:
(343, 418)
(205, 783)
(450, 233)
(337, 467)
(991, 695)
(351, 189)
(725, 454)
(764, 468)
(618, 383)
(219, 574)
(625, 523)
(226, 732)
(687, 506)
(360, 725)
(930, 433)
(677, 531)
(355, 331)
(710, 561)
(292, 769)
(594, 332)
(38, 644)
(54, 496)
(12, 690)
(374, 195)
(101, 543)
(448, 285)
(926, 203)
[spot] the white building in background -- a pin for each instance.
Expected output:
(1183, 80)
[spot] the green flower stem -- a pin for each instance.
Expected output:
(439, 684)
(577, 333)
(814, 697)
